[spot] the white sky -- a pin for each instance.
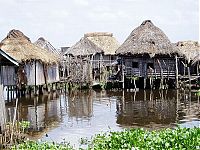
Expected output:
(63, 22)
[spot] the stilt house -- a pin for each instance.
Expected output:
(99, 50)
(190, 51)
(148, 53)
(30, 57)
(53, 69)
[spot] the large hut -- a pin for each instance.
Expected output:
(148, 53)
(53, 69)
(30, 57)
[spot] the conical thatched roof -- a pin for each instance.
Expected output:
(41, 42)
(146, 39)
(84, 47)
(20, 48)
(105, 41)
(189, 49)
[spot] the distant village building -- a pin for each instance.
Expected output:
(30, 57)
(96, 52)
(148, 53)
(190, 52)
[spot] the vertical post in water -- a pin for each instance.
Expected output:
(123, 76)
(2, 108)
(35, 79)
(188, 68)
(176, 58)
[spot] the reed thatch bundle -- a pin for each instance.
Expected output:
(189, 49)
(20, 47)
(105, 41)
(84, 47)
(146, 39)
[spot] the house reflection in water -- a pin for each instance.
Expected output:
(80, 105)
(147, 108)
(41, 111)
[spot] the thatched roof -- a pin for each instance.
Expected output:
(189, 49)
(41, 42)
(20, 48)
(146, 39)
(84, 47)
(105, 41)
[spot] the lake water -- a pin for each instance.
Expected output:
(70, 116)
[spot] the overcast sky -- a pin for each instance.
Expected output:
(63, 22)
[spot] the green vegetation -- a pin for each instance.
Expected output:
(32, 145)
(24, 125)
(133, 139)
(178, 139)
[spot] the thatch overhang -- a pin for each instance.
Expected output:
(147, 39)
(84, 47)
(19, 46)
(189, 49)
(105, 41)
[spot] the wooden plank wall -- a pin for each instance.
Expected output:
(8, 75)
(166, 64)
(30, 72)
(53, 73)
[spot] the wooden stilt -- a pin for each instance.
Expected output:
(176, 59)
(188, 68)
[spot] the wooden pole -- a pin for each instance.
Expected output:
(123, 76)
(176, 58)
(188, 68)
(35, 79)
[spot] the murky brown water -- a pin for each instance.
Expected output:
(70, 116)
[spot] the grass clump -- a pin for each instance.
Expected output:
(140, 139)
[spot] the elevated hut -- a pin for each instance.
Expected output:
(190, 51)
(148, 53)
(107, 43)
(78, 60)
(30, 57)
(53, 69)
(99, 49)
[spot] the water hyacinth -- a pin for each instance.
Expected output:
(133, 139)
(180, 138)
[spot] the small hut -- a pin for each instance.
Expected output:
(30, 57)
(148, 53)
(190, 51)
(99, 49)
(107, 43)
(53, 69)
(78, 60)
